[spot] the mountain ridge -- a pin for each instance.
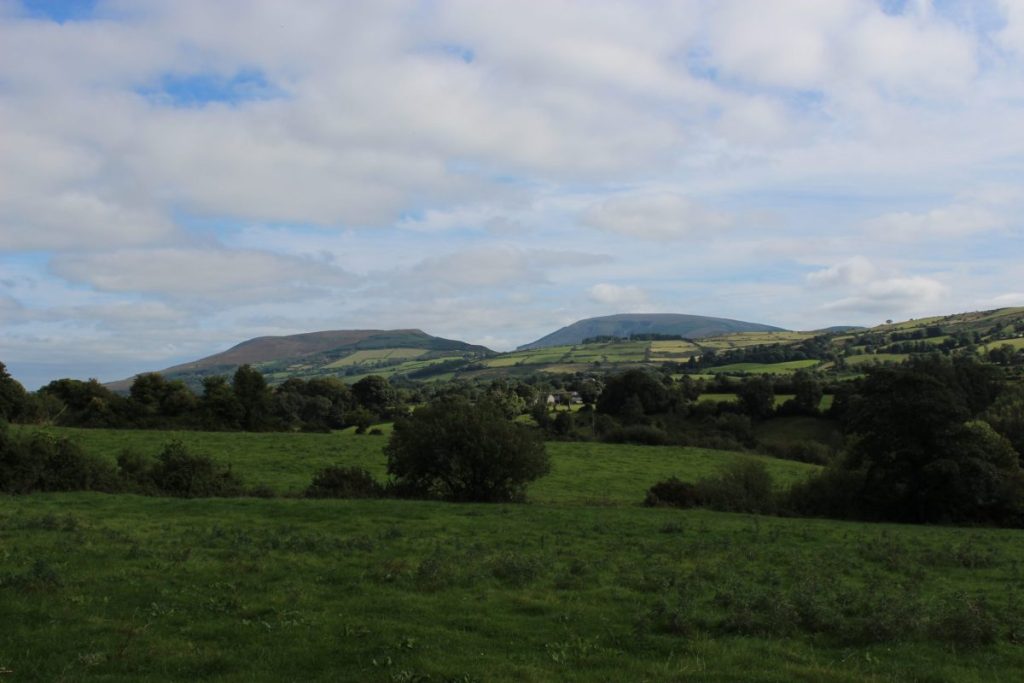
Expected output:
(321, 348)
(628, 324)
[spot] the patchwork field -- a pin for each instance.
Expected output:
(741, 339)
(369, 355)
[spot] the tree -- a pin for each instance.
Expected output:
(757, 397)
(375, 394)
(459, 451)
(807, 392)
(154, 396)
(633, 392)
(220, 406)
(12, 396)
(253, 395)
(1006, 416)
(921, 456)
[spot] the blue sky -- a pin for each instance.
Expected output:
(178, 175)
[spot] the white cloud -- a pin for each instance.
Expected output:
(855, 271)
(659, 216)
(73, 220)
(949, 222)
(1008, 299)
(872, 290)
(212, 274)
(623, 296)
(810, 45)
(491, 266)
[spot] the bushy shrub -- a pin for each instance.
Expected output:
(180, 473)
(737, 426)
(41, 462)
(672, 493)
(834, 492)
(647, 435)
(802, 451)
(136, 472)
(744, 486)
(344, 482)
(66, 467)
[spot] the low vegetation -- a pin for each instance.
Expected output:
(100, 587)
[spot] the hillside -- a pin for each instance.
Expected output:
(344, 353)
(626, 325)
(842, 351)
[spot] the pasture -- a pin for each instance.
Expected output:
(580, 584)
(608, 474)
(123, 588)
(368, 356)
(784, 368)
(876, 358)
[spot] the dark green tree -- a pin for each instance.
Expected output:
(757, 397)
(88, 404)
(375, 394)
(921, 457)
(219, 405)
(807, 392)
(459, 451)
(623, 393)
(254, 397)
(13, 397)
(1006, 416)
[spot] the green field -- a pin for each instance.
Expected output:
(784, 368)
(872, 358)
(1017, 343)
(364, 356)
(610, 474)
(124, 588)
(741, 339)
(580, 584)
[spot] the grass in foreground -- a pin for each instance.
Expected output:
(123, 588)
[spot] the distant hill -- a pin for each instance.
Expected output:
(628, 324)
(343, 353)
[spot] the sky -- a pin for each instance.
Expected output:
(177, 176)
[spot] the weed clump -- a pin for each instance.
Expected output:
(40, 576)
(965, 622)
(515, 570)
(344, 482)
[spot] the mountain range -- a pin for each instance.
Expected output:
(607, 343)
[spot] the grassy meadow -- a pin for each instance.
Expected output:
(580, 584)
(606, 474)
